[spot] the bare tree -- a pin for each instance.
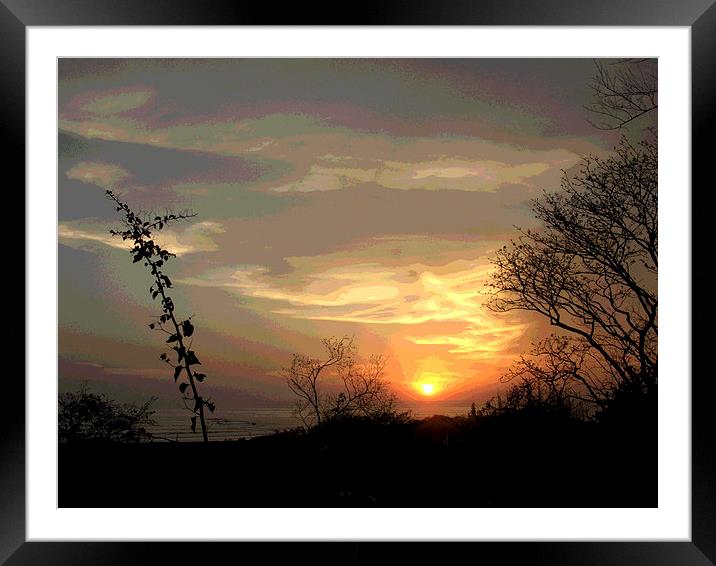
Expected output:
(338, 385)
(623, 91)
(592, 272)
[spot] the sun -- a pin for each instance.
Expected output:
(427, 388)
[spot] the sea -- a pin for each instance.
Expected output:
(174, 425)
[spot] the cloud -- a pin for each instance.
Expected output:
(480, 340)
(194, 239)
(461, 174)
(495, 172)
(262, 144)
(375, 293)
(114, 102)
(321, 178)
(76, 236)
(451, 174)
(97, 173)
(218, 136)
(310, 155)
(421, 163)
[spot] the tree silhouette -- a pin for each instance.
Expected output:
(139, 230)
(592, 272)
(359, 389)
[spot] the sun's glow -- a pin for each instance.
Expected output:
(433, 378)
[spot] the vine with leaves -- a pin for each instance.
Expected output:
(139, 230)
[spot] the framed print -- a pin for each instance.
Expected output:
(359, 284)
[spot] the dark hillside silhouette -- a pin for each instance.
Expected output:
(511, 458)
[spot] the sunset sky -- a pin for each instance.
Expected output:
(334, 197)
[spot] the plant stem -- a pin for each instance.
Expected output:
(197, 398)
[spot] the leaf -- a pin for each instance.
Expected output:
(187, 328)
(179, 351)
(191, 358)
(168, 304)
(151, 326)
(200, 377)
(183, 386)
(193, 424)
(177, 371)
(172, 338)
(163, 357)
(211, 406)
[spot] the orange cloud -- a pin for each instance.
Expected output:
(412, 295)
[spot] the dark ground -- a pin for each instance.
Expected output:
(510, 461)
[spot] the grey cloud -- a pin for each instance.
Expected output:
(333, 221)
(407, 89)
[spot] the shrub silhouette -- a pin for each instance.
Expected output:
(89, 416)
(139, 231)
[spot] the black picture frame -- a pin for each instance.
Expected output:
(699, 15)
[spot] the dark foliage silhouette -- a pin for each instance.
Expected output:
(85, 416)
(535, 396)
(139, 230)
